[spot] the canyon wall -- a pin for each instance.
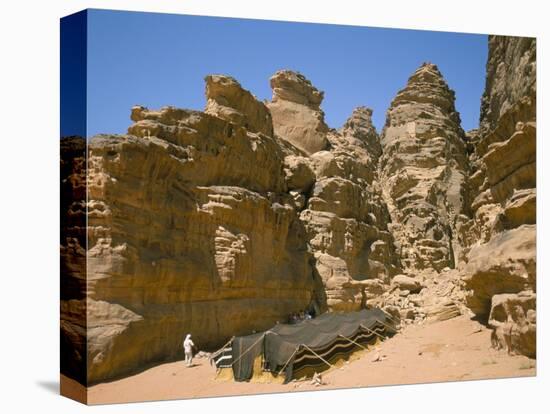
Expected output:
(223, 222)
(190, 230)
(73, 326)
(500, 239)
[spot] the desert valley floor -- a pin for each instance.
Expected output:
(454, 350)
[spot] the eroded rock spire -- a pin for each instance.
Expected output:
(423, 169)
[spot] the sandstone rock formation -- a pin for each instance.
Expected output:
(407, 283)
(427, 297)
(190, 228)
(424, 168)
(514, 319)
(212, 223)
(296, 112)
(505, 264)
(224, 222)
(346, 219)
(227, 100)
(510, 82)
(189, 231)
(73, 258)
(500, 241)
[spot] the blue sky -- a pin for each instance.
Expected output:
(161, 59)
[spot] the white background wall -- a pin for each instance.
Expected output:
(29, 137)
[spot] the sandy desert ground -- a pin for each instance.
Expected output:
(453, 350)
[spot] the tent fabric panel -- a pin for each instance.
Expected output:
(340, 346)
(245, 350)
(224, 357)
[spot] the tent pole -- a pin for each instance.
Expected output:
(319, 356)
(249, 348)
(286, 363)
(371, 331)
(391, 318)
(353, 342)
(386, 325)
(215, 354)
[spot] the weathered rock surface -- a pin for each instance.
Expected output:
(505, 264)
(191, 229)
(424, 168)
(514, 320)
(503, 162)
(73, 257)
(227, 100)
(500, 239)
(359, 125)
(296, 112)
(211, 223)
(510, 81)
(346, 219)
(429, 297)
(404, 282)
(194, 139)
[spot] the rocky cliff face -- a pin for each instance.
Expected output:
(190, 230)
(346, 219)
(501, 237)
(424, 168)
(73, 254)
(208, 222)
(225, 221)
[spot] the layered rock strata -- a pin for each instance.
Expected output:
(73, 318)
(424, 168)
(190, 229)
(346, 219)
(501, 237)
(213, 223)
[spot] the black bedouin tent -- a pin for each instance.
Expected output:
(310, 344)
